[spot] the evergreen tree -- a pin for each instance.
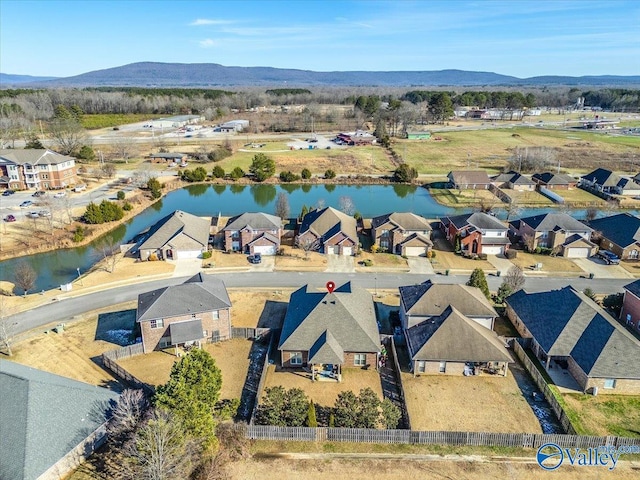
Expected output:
(311, 415)
(405, 174)
(218, 172)
(306, 173)
(479, 280)
(262, 167)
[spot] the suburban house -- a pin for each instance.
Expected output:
(167, 157)
(608, 182)
(630, 313)
(36, 169)
(359, 137)
(177, 236)
(514, 181)
(452, 344)
(193, 312)
(253, 233)
(554, 181)
(569, 330)
(328, 330)
(618, 233)
(469, 179)
(233, 126)
(428, 300)
(478, 233)
(329, 231)
(49, 423)
(402, 233)
(560, 232)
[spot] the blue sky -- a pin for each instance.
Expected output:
(516, 37)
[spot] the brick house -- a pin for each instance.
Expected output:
(478, 233)
(402, 233)
(36, 170)
(329, 231)
(554, 181)
(514, 181)
(196, 311)
(469, 179)
(253, 233)
(569, 330)
(606, 181)
(630, 313)
(327, 331)
(177, 236)
(618, 233)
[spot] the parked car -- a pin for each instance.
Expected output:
(26, 203)
(60, 195)
(9, 218)
(39, 193)
(6, 193)
(80, 188)
(33, 215)
(44, 213)
(609, 257)
(255, 258)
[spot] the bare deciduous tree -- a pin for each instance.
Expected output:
(123, 148)
(24, 276)
(68, 135)
(128, 412)
(307, 244)
(109, 251)
(282, 206)
(7, 327)
(515, 278)
(346, 205)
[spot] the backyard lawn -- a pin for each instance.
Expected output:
(382, 261)
(450, 261)
(606, 414)
(528, 198)
(526, 262)
(464, 198)
(576, 197)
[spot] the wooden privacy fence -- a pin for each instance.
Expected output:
(544, 387)
(249, 332)
(398, 374)
(263, 375)
(476, 439)
(110, 358)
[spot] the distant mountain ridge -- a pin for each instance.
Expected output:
(10, 79)
(154, 74)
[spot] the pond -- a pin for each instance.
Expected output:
(61, 266)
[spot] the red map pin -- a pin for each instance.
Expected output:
(331, 286)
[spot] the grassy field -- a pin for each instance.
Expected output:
(606, 414)
(106, 120)
(576, 197)
(382, 260)
(533, 199)
(449, 260)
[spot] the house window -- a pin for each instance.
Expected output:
(157, 323)
(443, 367)
(360, 359)
(421, 366)
(215, 314)
(164, 342)
(628, 318)
(295, 358)
(204, 333)
(609, 383)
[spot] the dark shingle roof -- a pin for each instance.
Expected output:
(201, 293)
(43, 417)
(188, 331)
(603, 177)
(328, 222)
(549, 221)
(404, 220)
(634, 287)
(254, 221)
(347, 313)
(550, 178)
(622, 229)
(480, 220)
(326, 350)
(174, 224)
(430, 299)
(455, 338)
(513, 177)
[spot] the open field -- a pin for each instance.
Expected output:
(606, 414)
(526, 261)
(325, 393)
(106, 120)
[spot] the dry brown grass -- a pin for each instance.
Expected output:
(631, 266)
(325, 393)
(297, 259)
(526, 261)
(449, 260)
(464, 198)
(222, 259)
(580, 198)
(528, 198)
(475, 404)
(381, 260)
(256, 307)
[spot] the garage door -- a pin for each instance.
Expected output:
(347, 250)
(491, 250)
(414, 251)
(265, 249)
(331, 249)
(182, 254)
(578, 252)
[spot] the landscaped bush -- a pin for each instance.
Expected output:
(207, 254)
(218, 172)
(79, 233)
(127, 207)
(237, 173)
(482, 256)
(288, 176)
(306, 173)
(367, 262)
(120, 195)
(329, 174)
(511, 254)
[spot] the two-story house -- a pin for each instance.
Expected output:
(477, 232)
(36, 170)
(253, 233)
(557, 231)
(606, 181)
(630, 313)
(618, 233)
(402, 233)
(329, 231)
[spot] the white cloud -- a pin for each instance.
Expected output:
(208, 21)
(207, 43)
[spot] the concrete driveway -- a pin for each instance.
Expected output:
(186, 267)
(600, 269)
(419, 265)
(500, 263)
(267, 264)
(340, 264)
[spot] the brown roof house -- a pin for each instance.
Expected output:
(329, 330)
(571, 333)
(452, 344)
(618, 233)
(177, 236)
(253, 233)
(469, 179)
(428, 300)
(514, 181)
(402, 233)
(193, 312)
(330, 231)
(478, 233)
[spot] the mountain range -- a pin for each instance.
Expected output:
(154, 74)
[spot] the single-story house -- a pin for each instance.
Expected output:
(423, 302)
(469, 179)
(193, 312)
(329, 231)
(49, 423)
(330, 330)
(606, 181)
(402, 233)
(568, 328)
(478, 233)
(554, 181)
(177, 236)
(253, 233)
(452, 344)
(167, 157)
(558, 231)
(630, 313)
(618, 233)
(514, 181)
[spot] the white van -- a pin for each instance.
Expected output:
(80, 188)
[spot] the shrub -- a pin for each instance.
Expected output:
(219, 154)
(511, 254)
(329, 174)
(306, 173)
(482, 256)
(613, 302)
(207, 254)
(79, 233)
(367, 262)
(154, 187)
(433, 253)
(120, 195)
(288, 176)
(127, 207)
(405, 174)
(237, 173)
(218, 172)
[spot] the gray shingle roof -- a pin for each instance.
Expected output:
(455, 338)
(469, 177)
(622, 229)
(416, 238)
(550, 178)
(347, 313)
(479, 220)
(43, 417)
(634, 287)
(404, 220)
(188, 331)
(567, 323)
(200, 293)
(549, 221)
(254, 221)
(326, 350)
(34, 157)
(328, 222)
(513, 177)
(431, 299)
(179, 223)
